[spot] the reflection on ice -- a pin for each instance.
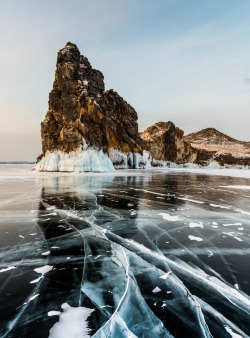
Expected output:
(102, 256)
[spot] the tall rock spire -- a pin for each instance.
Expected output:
(79, 108)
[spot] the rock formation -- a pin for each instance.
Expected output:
(165, 142)
(89, 129)
(81, 113)
(212, 145)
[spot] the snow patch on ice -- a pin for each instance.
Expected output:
(193, 238)
(156, 290)
(245, 187)
(33, 297)
(54, 313)
(98, 256)
(196, 225)
(46, 253)
(232, 334)
(219, 206)
(232, 234)
(44, 269)
(72, 323)
(169, 217)
(7, 269)
(165, 276)
(243, 212)
(229, 224)
(190, 200)
(36, 280)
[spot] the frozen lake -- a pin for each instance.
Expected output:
(161, 253)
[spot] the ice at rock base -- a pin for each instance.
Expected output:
(87, 159)
(122, 160)
(128, 160)
(82, 160)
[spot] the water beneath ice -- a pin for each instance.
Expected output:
(161, 253)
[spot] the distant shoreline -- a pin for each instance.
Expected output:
(17, 162)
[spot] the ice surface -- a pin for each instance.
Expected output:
(111, 242)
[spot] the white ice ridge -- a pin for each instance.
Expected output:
(81, 160)
(72, 322)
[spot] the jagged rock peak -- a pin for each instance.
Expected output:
(70, 53)
(210, 136)
(159, 128)
(165, 142)
(74, 73)
(80, 110)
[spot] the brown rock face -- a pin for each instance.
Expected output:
(212, 145)
(121, 124)
(80, 108)
(165, 142)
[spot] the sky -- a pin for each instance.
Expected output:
(185, 61)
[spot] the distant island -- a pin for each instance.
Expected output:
(89, 129)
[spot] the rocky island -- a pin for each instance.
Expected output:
(89, 129)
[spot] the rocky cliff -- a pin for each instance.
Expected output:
(82, 114)
(89, 129)
(212, 145)
(165, 142)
